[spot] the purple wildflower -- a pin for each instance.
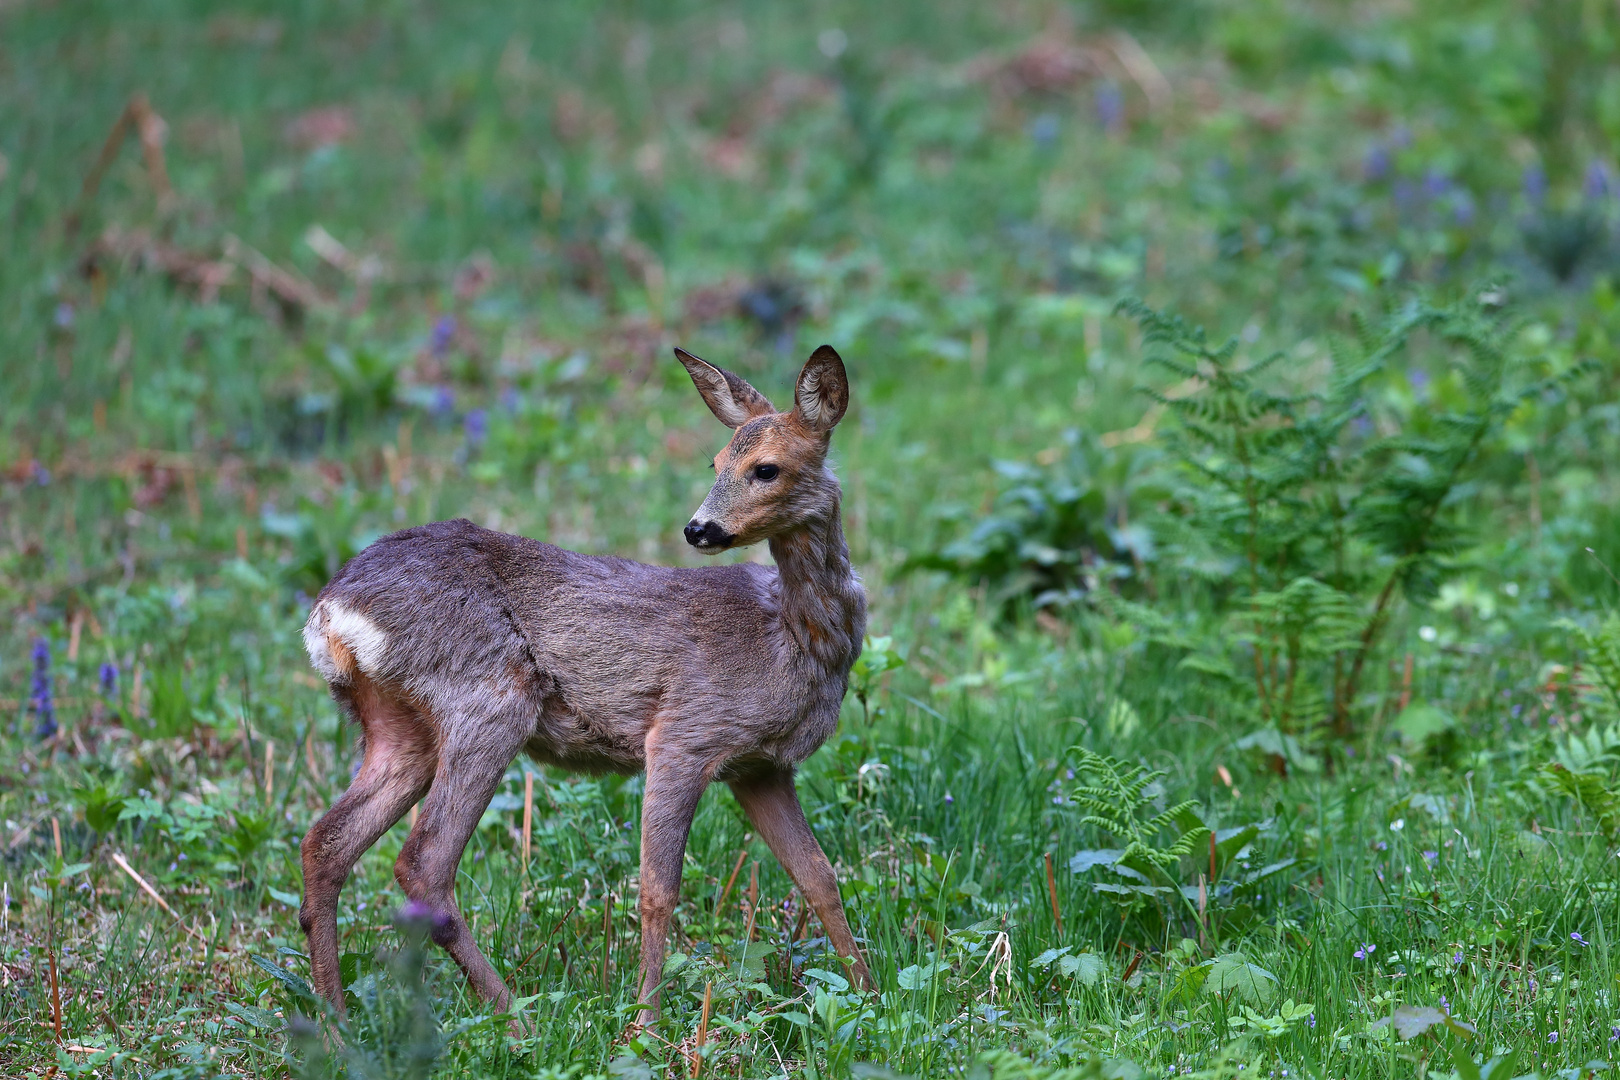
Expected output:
(1378, 163)
(949, 798)
(1381, 846)
(1312, 1020)
(1043, 130)
(1435, 183)
(1462, 208)
(510, 399)
(108, 676)
(1419, 380)
(39, 691)
(1445, 1006)
(64, 316)
(1365, 951)
(1535, 184)
(417, 917)
(1110, 101)
(1515, 711)
(42, 475)
(1552, 1036)
(1457, 958)
(1597, 184)
(1577, 939)
(476, 425)
(444, 401)
(1614, 1032)
(1430, 856)
(444, 331)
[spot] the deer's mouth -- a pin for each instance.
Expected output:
(708, 535)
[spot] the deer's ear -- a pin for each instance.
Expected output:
(731, 399)
(822, 393)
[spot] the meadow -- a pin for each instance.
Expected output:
(1230, 465)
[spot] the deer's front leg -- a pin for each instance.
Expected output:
(772, 804)
(675, 783)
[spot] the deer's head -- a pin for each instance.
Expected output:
(772, 477)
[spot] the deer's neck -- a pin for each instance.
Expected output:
(823, 606)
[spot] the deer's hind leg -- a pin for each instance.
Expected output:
(480, 741)
(772, 804)
(396, 770)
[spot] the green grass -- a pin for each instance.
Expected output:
(552, 196)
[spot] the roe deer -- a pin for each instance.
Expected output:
(455, 648)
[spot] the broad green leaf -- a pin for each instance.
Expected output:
(630, 1068)
(1046, 958)
(831, 978)
(1231, 973)
(1228, 842)
(1191, 980)
(1410, 1021)
(297, 986)
(1269, 869)
(862, 1070)
(1081, 861)
(1421, 722)
(261, 1019)
(1086, 968)
(918, 976)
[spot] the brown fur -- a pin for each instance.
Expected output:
(342, 658)
(456, 648)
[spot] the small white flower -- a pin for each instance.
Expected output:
(1428, 633)
(1397, 825)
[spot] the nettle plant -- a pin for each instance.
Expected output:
(1310, 515)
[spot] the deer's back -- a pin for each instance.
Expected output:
(454, 616)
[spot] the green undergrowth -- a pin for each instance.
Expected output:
(1229, 464)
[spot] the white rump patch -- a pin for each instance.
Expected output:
(365, 640)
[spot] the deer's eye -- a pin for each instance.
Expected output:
(766, 472)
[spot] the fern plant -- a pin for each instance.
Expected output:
(1310, 524)
(1584, 762)
(1591, 790)
(1164, 854)
(1600, 697)
(1115, 798)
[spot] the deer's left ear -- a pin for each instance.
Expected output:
(822, 393)
(728, 396)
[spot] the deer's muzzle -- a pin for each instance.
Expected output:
(707, 535)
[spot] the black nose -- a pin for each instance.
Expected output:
(708, 534)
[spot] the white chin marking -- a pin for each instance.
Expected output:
(365, 640)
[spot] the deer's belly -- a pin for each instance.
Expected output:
(587, 740)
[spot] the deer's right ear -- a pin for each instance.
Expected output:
(732, 400)
(822, 394)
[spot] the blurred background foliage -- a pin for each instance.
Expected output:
(1315, 529)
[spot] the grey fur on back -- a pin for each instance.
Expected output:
(599, 646)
